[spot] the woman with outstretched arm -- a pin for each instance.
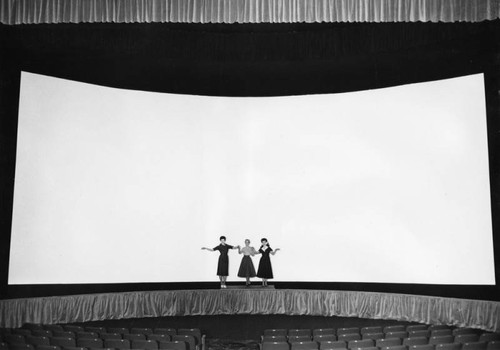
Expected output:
(265, 270)
(223, 264)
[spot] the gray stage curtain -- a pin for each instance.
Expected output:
(245, 11)
(83, 308)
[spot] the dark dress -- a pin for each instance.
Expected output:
(223, 265)
(246, 267)
(265, 269)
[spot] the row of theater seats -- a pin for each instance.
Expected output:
(398, 337)
(74, 337)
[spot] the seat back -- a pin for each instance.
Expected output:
(328, 345)
(373, 336)
(306, 345)
(349, 336)
(299, 332)
(275, 332)
(356, 344)
(479, 345)
(64, 342)
(117, 343)
(299, 338)
(415, 341)
(172, 345)
(34, 340)
(144, 344)
(321, 331)
(73, 328)
(416, 327)
(466, 338)
(141, 330)
(134, 336)
(189, 339)
(275, 346)
(348, 330)
(158, 337)
(324, 337)
(381, 343)
(274, 339)
(373, 329)
(487, 337)
(448, 346)
(442, 339)
(105, 336)
(90, 342)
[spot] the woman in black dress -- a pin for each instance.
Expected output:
(223, 265)
(265, 270)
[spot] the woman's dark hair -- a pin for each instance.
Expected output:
(222, 237)
(263, 239)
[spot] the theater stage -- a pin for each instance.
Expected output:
(251, 301)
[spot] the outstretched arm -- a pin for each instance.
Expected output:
(209, 249)
(274, 251)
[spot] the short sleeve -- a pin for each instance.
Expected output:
(217, 248)
(229, 246)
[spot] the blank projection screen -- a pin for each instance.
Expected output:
(120, 186)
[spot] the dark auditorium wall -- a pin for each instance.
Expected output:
(246, 60)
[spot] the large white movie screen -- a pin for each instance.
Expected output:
(388, 185)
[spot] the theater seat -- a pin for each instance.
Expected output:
(440, 332)
(419, 333)
(117, 343)
(48, 347)
(137, 330)
(105, 336)
(53, 327)
(275, 346)
(299, 338)
(448, 346)
(121, 330)
(321, 331)
(466, 338)
(394, 328)
(169, 331)
(172, 345)
(396, 334)
(328, 345)
(133, 336)
(73, 328)
(416, 327)
(63, 342)
(274, 339)
(14, 339)
(275, 332)
(299, 332)
(438, 326)
(189, 339)
(63, 334)
(480, 345)
(306, 345)
(443, 339)
(21, 347)
(421, 347)
(196, 333)
(34, 340)
(395, 347)
(487, 337)
(324, 337)
(20, 331)
(381, 343)
(415, 341)
(348, 330)
(158, 337)
(348, 337)
(374, 329)
(356, 344)
(493, 345)
(87, 335)
(373, 336)
(90, 343)
(459, 331)
(144, 344)
(96, 329)
(41, 333)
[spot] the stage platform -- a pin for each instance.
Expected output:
(238, 300)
